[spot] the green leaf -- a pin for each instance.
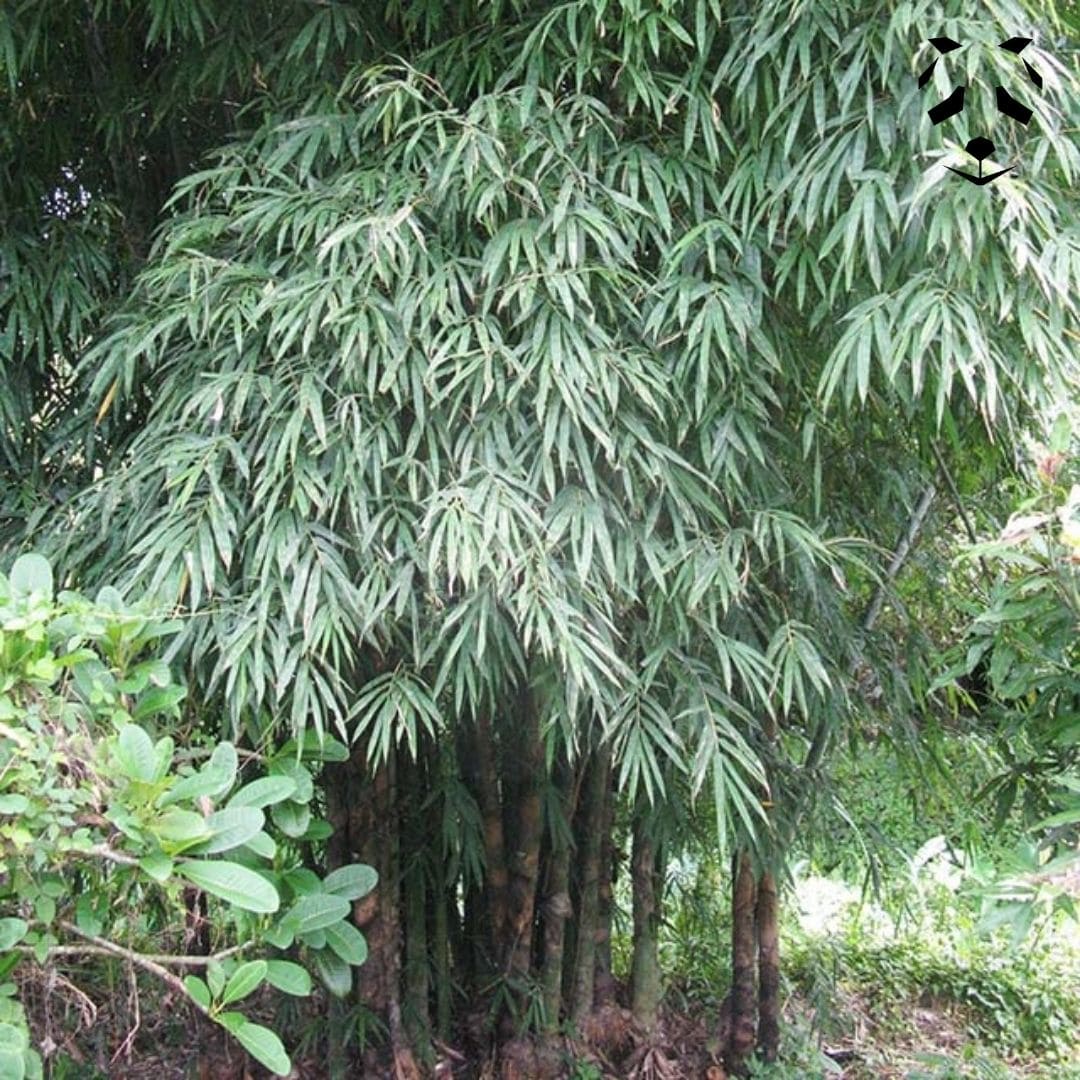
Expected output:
(313, 939)
(318, 829)
(1061, 434)
(352, 881)
(263, 792)
(316, 912)
(347, 942)
(334, 972)
(288, 977)
(1065, 817)
(225, 762)
(156, 700)
(157, 865)
(312, 748)
(262, 845)
(236, 884)
(198, 990)
(280, 936)
(135, 753)
(301, 777)
(291, 818)
(87, 915)
(213, 779)
(231, 1021)
(302, 881)
(12, 931)
(108, 597)
(204, 783)
(12, 1064)
(164, 749)
(178, 829)
(263, 1045)
(14, 804)
(215, 976)
(14, 1038)
(244, 980)
(31, 574)
(230, 828)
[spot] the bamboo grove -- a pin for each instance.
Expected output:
(531, 396)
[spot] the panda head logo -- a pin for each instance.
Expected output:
(980, 147)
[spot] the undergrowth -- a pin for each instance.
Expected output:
(868, 956)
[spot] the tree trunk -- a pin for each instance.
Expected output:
(588, 846)
(487, 799)
(417, 1013)
(741, 1041)
(645, 973)
(415, 903)
(557, 907)
(469, 959)
(440, 953)
(768, 1036)
(405, 1067)
(373, 821)
(376, 914)
(604, 980)
(525, 863)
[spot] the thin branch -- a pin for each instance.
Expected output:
(197, 753)
(903, 549)
(103, 851)
(137, 959)
(165, 959)
(954, 492)
(125, 1047)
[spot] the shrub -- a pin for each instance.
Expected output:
(105, 824)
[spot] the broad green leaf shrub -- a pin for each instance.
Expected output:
(104, 822)
(1023, 639)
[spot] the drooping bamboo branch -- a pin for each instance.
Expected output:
(164, 959)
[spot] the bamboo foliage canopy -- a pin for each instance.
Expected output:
(527, 347)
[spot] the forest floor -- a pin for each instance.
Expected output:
(920, 1041)
(903, 984)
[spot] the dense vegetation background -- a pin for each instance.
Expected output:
(560, 422)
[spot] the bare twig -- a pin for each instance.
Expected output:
(903, 549)
(103, 851)
(164, 959)
(125, 1047)
(135, 958)
(954, 492)
(821, 736)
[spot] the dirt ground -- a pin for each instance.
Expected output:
(136, 1036)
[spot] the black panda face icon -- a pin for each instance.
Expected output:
(980, 147)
